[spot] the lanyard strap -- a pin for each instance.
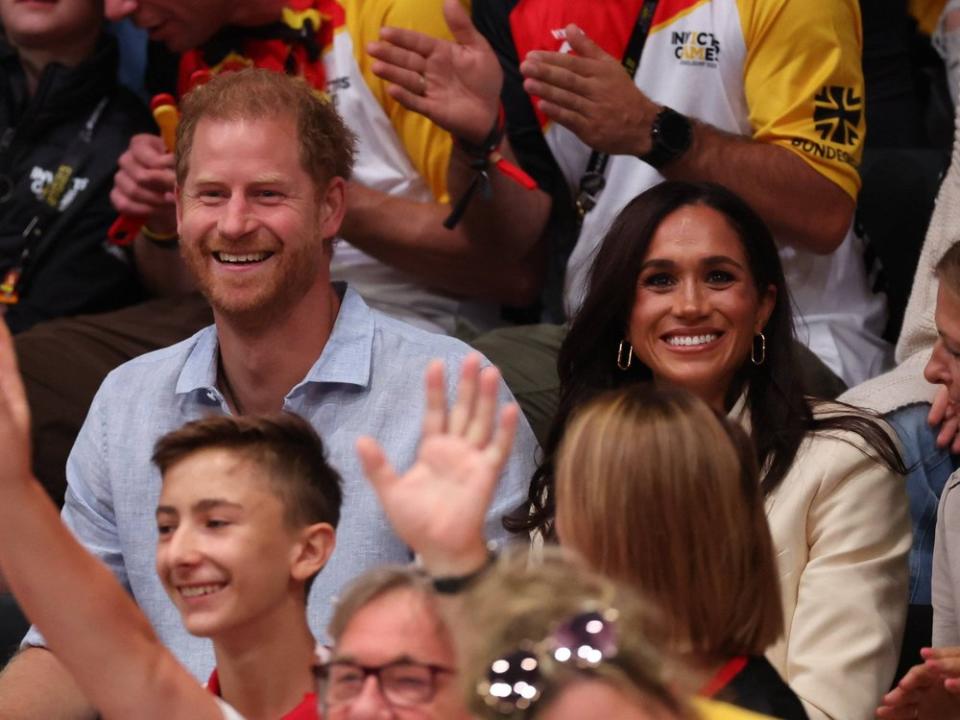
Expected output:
(594, 179)
(723, 676)
(48, 204)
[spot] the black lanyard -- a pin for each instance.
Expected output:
(594, 179)
(48, 204)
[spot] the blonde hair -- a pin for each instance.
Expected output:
(327, 146)
(517, 603)
(655, 490)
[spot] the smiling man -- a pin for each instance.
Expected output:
(260, 195)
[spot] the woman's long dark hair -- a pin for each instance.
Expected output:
(780, 412)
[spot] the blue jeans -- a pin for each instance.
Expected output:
(929, 469)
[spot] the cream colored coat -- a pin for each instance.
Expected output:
(841, 530)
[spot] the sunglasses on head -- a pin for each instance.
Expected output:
(516, 680)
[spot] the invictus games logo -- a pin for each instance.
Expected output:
(695, 48)
(837, 114)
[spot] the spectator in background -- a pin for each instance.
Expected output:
(521, 627)
(701, 550)
(932, 689)
(393, 651)
(923, 417)
(64, 121)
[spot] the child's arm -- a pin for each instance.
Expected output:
(90, 623)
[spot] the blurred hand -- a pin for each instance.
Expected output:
(591, 94)
(454, 84)
(944, 413)
(143, 186)
(930, 691)
(438, 506)
(14, 415)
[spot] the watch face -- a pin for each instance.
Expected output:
(674, 130)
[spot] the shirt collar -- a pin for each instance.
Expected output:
(345, 359)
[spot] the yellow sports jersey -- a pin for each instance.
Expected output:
(713, 710)
(400, 153)
(427, 145)
(803, 82)
(926, 13)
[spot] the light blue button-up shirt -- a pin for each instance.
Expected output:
(367, 381)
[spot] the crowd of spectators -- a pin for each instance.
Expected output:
(504, 358)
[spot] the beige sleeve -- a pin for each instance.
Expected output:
(852, 592)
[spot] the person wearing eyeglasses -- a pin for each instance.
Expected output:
(393, 654)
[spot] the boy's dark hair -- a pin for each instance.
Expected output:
(284, 445)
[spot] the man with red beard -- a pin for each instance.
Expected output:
(262, 166)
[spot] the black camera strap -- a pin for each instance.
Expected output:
(594, 179)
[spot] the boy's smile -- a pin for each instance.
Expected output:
(224, 550)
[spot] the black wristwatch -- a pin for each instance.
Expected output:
(453, 584)
(670, 136)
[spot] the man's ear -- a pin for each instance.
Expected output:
(312, 551)
(333, 206)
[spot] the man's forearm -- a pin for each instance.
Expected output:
(36, 685)
(801, 206)
(410, 236)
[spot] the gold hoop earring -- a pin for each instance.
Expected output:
(763, 350)
(621, 363)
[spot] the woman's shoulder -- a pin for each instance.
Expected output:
(844, 443)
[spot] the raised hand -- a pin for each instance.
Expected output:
(455, 84)
(14, 415)
(143, 185)
(590, 93)
(438, 506)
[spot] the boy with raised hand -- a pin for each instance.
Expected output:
(245, 521)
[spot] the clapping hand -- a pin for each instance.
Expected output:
(589, 92)
(438, 506)
(455, 84)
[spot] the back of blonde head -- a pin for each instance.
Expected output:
(655, 490)
(518, 603)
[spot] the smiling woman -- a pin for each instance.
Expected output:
(687, 290)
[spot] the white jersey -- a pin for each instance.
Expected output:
(785, 73)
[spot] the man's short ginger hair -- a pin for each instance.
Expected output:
(284, 446)
(327, 145)
(948, 269)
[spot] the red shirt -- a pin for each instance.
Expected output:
(306, 710)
